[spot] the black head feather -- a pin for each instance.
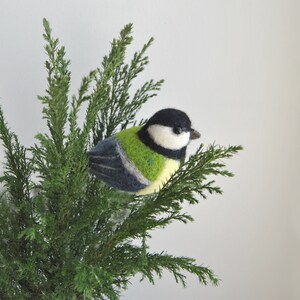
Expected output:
(174, 118)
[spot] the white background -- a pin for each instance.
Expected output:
(233, 66)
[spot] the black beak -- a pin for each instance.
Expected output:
(194, 134)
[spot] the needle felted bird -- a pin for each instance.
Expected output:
(141, 159)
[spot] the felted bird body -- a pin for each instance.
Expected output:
(141, 159)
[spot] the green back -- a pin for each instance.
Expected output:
(145, 159)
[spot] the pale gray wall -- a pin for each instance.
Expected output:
(233, 66)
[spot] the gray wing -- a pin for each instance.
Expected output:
(109, 163)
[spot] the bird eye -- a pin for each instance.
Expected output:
(177, 130)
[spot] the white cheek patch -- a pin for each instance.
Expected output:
(166, 138)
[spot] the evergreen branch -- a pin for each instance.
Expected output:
(76, 104)
(161, 209)
(192, 176)
(17, 168)
(17, 210)
(156, 263)
(120, 109)
(55, 109)
(137, 259)
(110, 65)
(90, 279)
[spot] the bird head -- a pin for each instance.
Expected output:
(169, 130)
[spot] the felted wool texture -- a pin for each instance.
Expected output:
(149, 162)
(109, 163)
(170, 167)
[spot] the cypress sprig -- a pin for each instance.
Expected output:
(158, 262)
(163, 208)
(66, 235)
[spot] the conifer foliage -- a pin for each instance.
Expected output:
(65, 235)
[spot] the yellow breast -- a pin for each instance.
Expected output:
(170, 168)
